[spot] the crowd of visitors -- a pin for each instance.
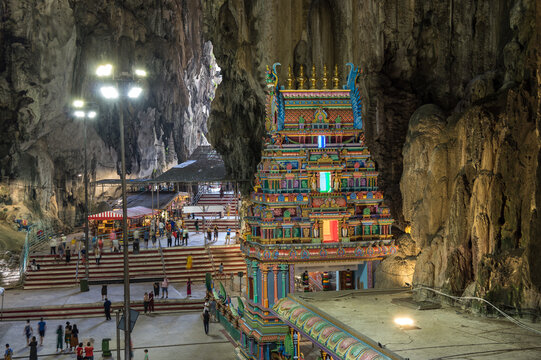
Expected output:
(68, 335)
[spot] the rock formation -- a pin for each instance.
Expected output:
(49, 51)
(451, 113)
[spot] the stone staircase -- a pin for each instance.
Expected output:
(145, 266)
(96, 309)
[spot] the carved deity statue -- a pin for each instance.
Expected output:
(344, 229)
(313, 182)
(315, 230)
(337, 183)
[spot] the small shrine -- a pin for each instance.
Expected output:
(316, 206)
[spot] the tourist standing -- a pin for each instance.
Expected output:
(177, 237)
(189, 288)
(60, 252)
(165, 285)
(221, 269)
(107, 309)
(197, 226)
(67, 336)
(153, 239)
(156, 287)
(28, 332)
(100, 244)
(64, 240)
(227, 236)
(145, 302)
(206, 319)
(33, 349)
(52, 244)
(103, 292)
(89, 351)
(209, 234)
(146, 354)
(146, 236)
(74, 341)
(215, 232)
(185, 236)
(68, 255)
(97, 255)
(151, 301)
(8, 354)
(42, 326)
(59, 340)
(169, 240)
(161, 227)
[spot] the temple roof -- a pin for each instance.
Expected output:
(327, 333)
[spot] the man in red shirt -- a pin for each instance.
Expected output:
(89, 352)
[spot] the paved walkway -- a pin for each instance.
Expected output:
(166, 336)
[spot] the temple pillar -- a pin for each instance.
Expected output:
(369, 275)
(275, 273)
(264, 287)
(283, 268)
(254, 274)
(291, 278)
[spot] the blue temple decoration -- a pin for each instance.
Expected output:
(279, 99)
(355, 96)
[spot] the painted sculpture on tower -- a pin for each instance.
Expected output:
(316, 201)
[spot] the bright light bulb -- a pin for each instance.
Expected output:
(109, 92)
(78, 103)
(79, 114)
(92, 114)
(104, 70)
(140, 72)
(135, 92)
(403, 321)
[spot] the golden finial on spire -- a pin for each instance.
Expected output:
(325, 79)
(290, 79)
(335, 78)
(301, 79)
(313, 78)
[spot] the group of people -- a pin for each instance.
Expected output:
(68, 335)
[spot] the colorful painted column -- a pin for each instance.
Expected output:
(369, 274)
(264, 288)
(275, 273)
(291, 278)
(283, 267)
(254, 274)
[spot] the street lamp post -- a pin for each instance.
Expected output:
(81, 112)
(124, 85)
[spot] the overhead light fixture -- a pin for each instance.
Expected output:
(92, 114)
(104, 70)
(78, 103)
(135, 92)
(79, 114)
(140, 72)
(109, 92)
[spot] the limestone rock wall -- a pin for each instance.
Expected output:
(451, 113)
(49, 51)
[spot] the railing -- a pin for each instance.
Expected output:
(33, 239)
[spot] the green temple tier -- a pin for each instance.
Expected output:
(316, 206)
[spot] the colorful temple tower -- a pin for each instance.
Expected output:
(316, 209)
